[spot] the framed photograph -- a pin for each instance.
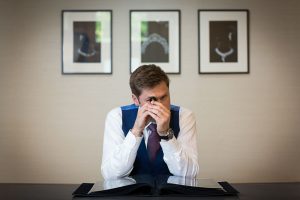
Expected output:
(155, 39)
(86, 42)
(223, 41)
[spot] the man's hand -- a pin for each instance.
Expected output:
(141, 120)
(161, 115)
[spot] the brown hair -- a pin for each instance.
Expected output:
(147, 76)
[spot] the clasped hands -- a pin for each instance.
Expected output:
(152, 110)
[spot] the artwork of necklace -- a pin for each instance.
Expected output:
(154, 37)
(224, 55)
(86, 54)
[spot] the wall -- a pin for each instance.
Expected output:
(51, 125)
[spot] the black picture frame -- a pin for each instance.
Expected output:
(86, 41)
(155, 39)
(223, 41)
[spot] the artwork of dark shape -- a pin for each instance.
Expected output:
(87, 42)
(223, 41)
(155, 41)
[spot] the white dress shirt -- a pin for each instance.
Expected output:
(119, 152)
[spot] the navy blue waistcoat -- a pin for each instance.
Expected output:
(142, 164)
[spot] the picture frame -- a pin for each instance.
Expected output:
(155, 39)
(223, 37)
(86, 41)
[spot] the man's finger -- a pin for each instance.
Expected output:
(154, 116)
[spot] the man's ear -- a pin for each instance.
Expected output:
(135, 100)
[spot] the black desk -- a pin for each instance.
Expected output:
(248, 191)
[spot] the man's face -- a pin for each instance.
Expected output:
(159, 93)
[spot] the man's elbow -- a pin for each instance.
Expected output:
(189, 172)
(110, 173)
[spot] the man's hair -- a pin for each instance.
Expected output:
(147, 76)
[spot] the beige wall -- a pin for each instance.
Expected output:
(51, 125)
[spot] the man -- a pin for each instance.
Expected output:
(150, 136)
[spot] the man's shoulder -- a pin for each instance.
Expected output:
(175, 108)
(180, 109)
(117, 111)
(129, 107)
(186, 112)
(184, 109)
(183, 112)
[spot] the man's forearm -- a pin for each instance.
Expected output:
(179, 161)
(119, 162)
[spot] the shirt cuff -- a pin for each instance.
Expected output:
(170, 146)
(132, 142)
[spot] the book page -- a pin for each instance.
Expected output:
(203, 183)
(111, 184)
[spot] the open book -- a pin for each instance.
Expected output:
(145, 185)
